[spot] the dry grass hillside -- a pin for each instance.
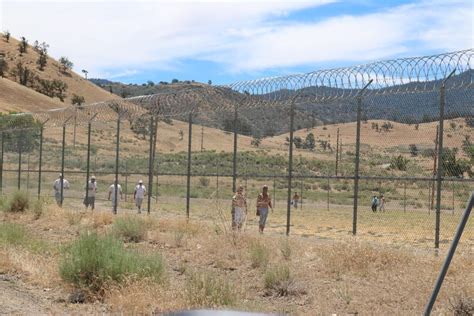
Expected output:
(76, 83)
(15, 97)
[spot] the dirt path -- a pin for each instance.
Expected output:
(19, 298)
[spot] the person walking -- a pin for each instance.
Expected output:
(112, 195)
(374, 203)
(139, 195)
(239, 205)
(264, 202)
(91, 192)
(382, 203)
(57, 189)
(296, 199)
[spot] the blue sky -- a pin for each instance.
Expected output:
(134, 41)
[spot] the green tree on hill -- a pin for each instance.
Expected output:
(6, 36)
(23, 46)
(66, 64)
(19, 132)
(3, 66)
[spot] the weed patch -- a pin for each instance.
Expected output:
(19, 202)
(278, 280)
(129, 229)
(259, 255)
(205, 289)
(92, 261)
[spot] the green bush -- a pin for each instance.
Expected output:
(19, 202)
(204, 181)
(129, 229)
(259, 255)
(92, 261)
(278, 280)
(12, 234)
(208, 290)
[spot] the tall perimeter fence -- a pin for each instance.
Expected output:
(401, 130)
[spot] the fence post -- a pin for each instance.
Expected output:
(404, 197)
(1, 165)
(234, 157)
(28, 173)
(63, 147)
(435, 161)
(188, 174)
(217, 179)
(19, 162)
(126, 180)
(88, 161)
(40, 161)
(356, 173)
(150, 164)
(274, 190)
(302, 186)
(290, 168)
(117, 153)
(449, 257)
(357, 158)
(439, 173)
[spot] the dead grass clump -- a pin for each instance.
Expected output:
(206, 289)
(462, 305)
(129, 228)
(278, 280)
(259, 255)
(361, 259)
(285, 249)
(73, 218)
(19, 202)
(102, 219)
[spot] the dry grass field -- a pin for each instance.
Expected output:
(209, 266)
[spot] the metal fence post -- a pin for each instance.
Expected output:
(117, 153)
(19, 162)
(329, 187)
(274, 190)
(88, 162)
(302, 187)
(337, 151)
(150, 163)
(290, 168)
(28, 173)
(449, 257)
(357, 158)
(439, 173)
(63, 148)
(234, 157)
(40, 161)
(356, 173)
(404, 197)
(188, 173)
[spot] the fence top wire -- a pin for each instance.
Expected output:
(405, 75)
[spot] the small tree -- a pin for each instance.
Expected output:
(22, 73)
(209, 82)
(23, 46)
(256, 141)
(310, 142)
(150, 83)
(298, 142)
(66, 64)
(85, 72)
(399, 163)
(3, 66)
(42, 60)
(60, 88)
(174, 81)
(413, 150)
(6, 36)
(77, 100)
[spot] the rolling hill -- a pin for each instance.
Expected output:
(18, 97)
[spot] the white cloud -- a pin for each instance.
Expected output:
(243, 35)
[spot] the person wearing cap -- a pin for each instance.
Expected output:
(264, 202)
(139, 195)
(112, 194)
(57, 189)
(239, 205)
(91, 192)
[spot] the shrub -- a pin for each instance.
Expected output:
(129, 229)
(208, 290)
(278, 280)
(462, 305)
(92, 261)
(38, 208)
(19, 202)
(399, 163)
(12, 234)
(204, 181)
(259, 255)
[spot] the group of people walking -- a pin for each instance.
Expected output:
(115, 193)
(377, 202)
(239, 208)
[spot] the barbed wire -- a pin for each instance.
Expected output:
(397, 76)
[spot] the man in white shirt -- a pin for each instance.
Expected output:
(139, 194)
(91, 192)
(57, 189)
(112, 194)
